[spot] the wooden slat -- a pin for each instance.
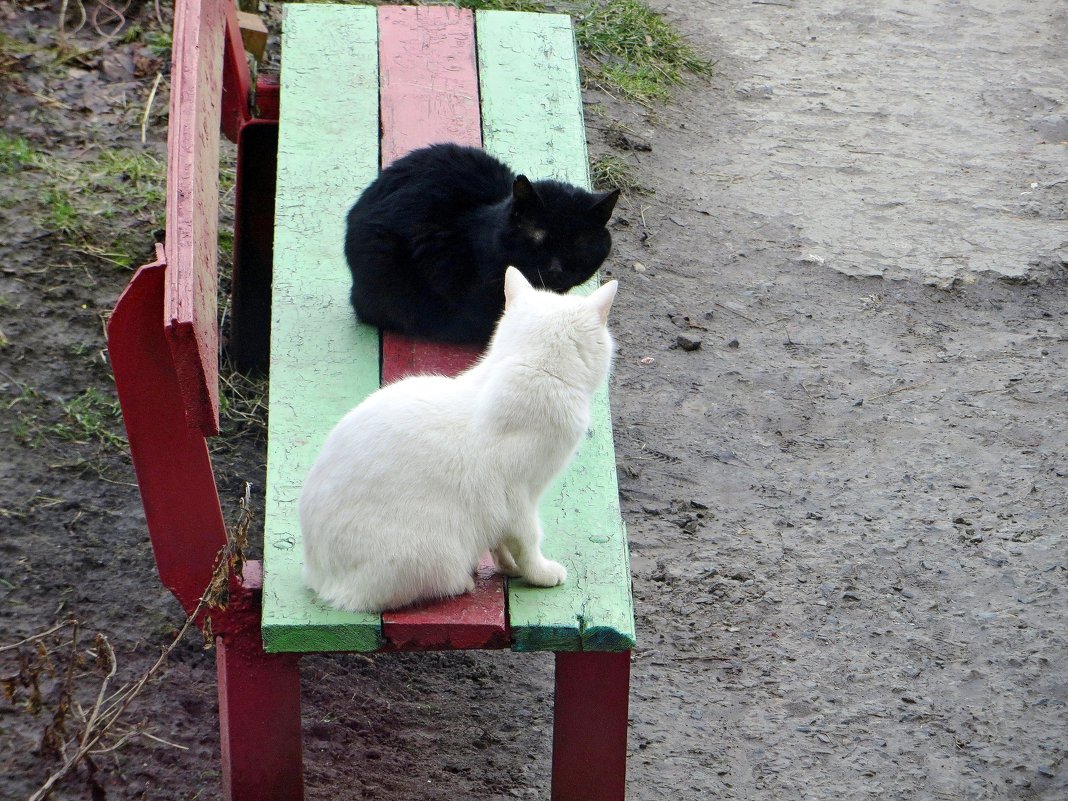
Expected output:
(403, 356)
(429, 93)
(429, 86)
(193, 208)
(322, 362)
(532, 119)
(473, 620)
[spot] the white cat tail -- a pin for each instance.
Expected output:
(601, 299)
(515, 284)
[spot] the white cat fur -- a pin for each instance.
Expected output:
(423, 477)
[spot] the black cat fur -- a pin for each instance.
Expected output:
(429, 240)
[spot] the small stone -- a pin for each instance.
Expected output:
(688, 342)
(647, 360)
(639, 267)
(1047, 771)
(733, 344)
(696, 504)
(850, 596)
(678, 222)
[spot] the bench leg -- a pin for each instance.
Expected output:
(259, 720)
(590, 726)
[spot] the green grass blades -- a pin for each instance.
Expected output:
(16, 153)
(80, 199)
(635, 53)
(614, 172)
(503, 5)
(89, 418)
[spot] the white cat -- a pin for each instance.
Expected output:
(423, 477)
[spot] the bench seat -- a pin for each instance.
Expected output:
(360, 87)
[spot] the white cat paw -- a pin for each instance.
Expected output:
(470, 586)
(548, 574)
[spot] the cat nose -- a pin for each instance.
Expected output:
(556, 267)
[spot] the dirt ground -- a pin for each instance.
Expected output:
(846, 507)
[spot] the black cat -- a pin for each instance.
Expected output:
(429, 240)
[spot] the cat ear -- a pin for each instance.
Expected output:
(515, 284)
(601, 299)
(601, 210)
(524, 193)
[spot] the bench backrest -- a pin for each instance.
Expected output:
(163, 335)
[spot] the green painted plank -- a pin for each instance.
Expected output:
(532, 119)
(322, 363)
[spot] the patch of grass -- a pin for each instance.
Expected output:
(62, 216)
(634, 51)
(11, 50)
(24, 412)
(138, 176)
(503, 5)
(226, 241)
(90, 416)
(159, 43)
(614, 172)
(90, 201)
(15, 153)
(118, 254)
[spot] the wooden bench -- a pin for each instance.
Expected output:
(359, 87)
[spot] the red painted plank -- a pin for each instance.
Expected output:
(590, 726)
(193, 207)
(428, 82)
(171, 460)
(475, 620)
(429, 93)
(236, 80)
(403, 356)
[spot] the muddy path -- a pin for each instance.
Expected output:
(845, 506)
